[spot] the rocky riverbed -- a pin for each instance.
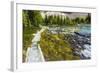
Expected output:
(81, 44)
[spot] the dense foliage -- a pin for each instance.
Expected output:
(60, 20)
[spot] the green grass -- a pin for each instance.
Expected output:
(54, 48)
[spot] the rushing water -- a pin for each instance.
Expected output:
(85, 31)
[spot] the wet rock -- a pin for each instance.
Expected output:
(81, 44)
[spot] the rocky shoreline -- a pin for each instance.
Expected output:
(80, 44)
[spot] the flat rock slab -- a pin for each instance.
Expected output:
(34, 54)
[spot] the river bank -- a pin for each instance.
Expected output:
(80, 44)
(55, 45)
